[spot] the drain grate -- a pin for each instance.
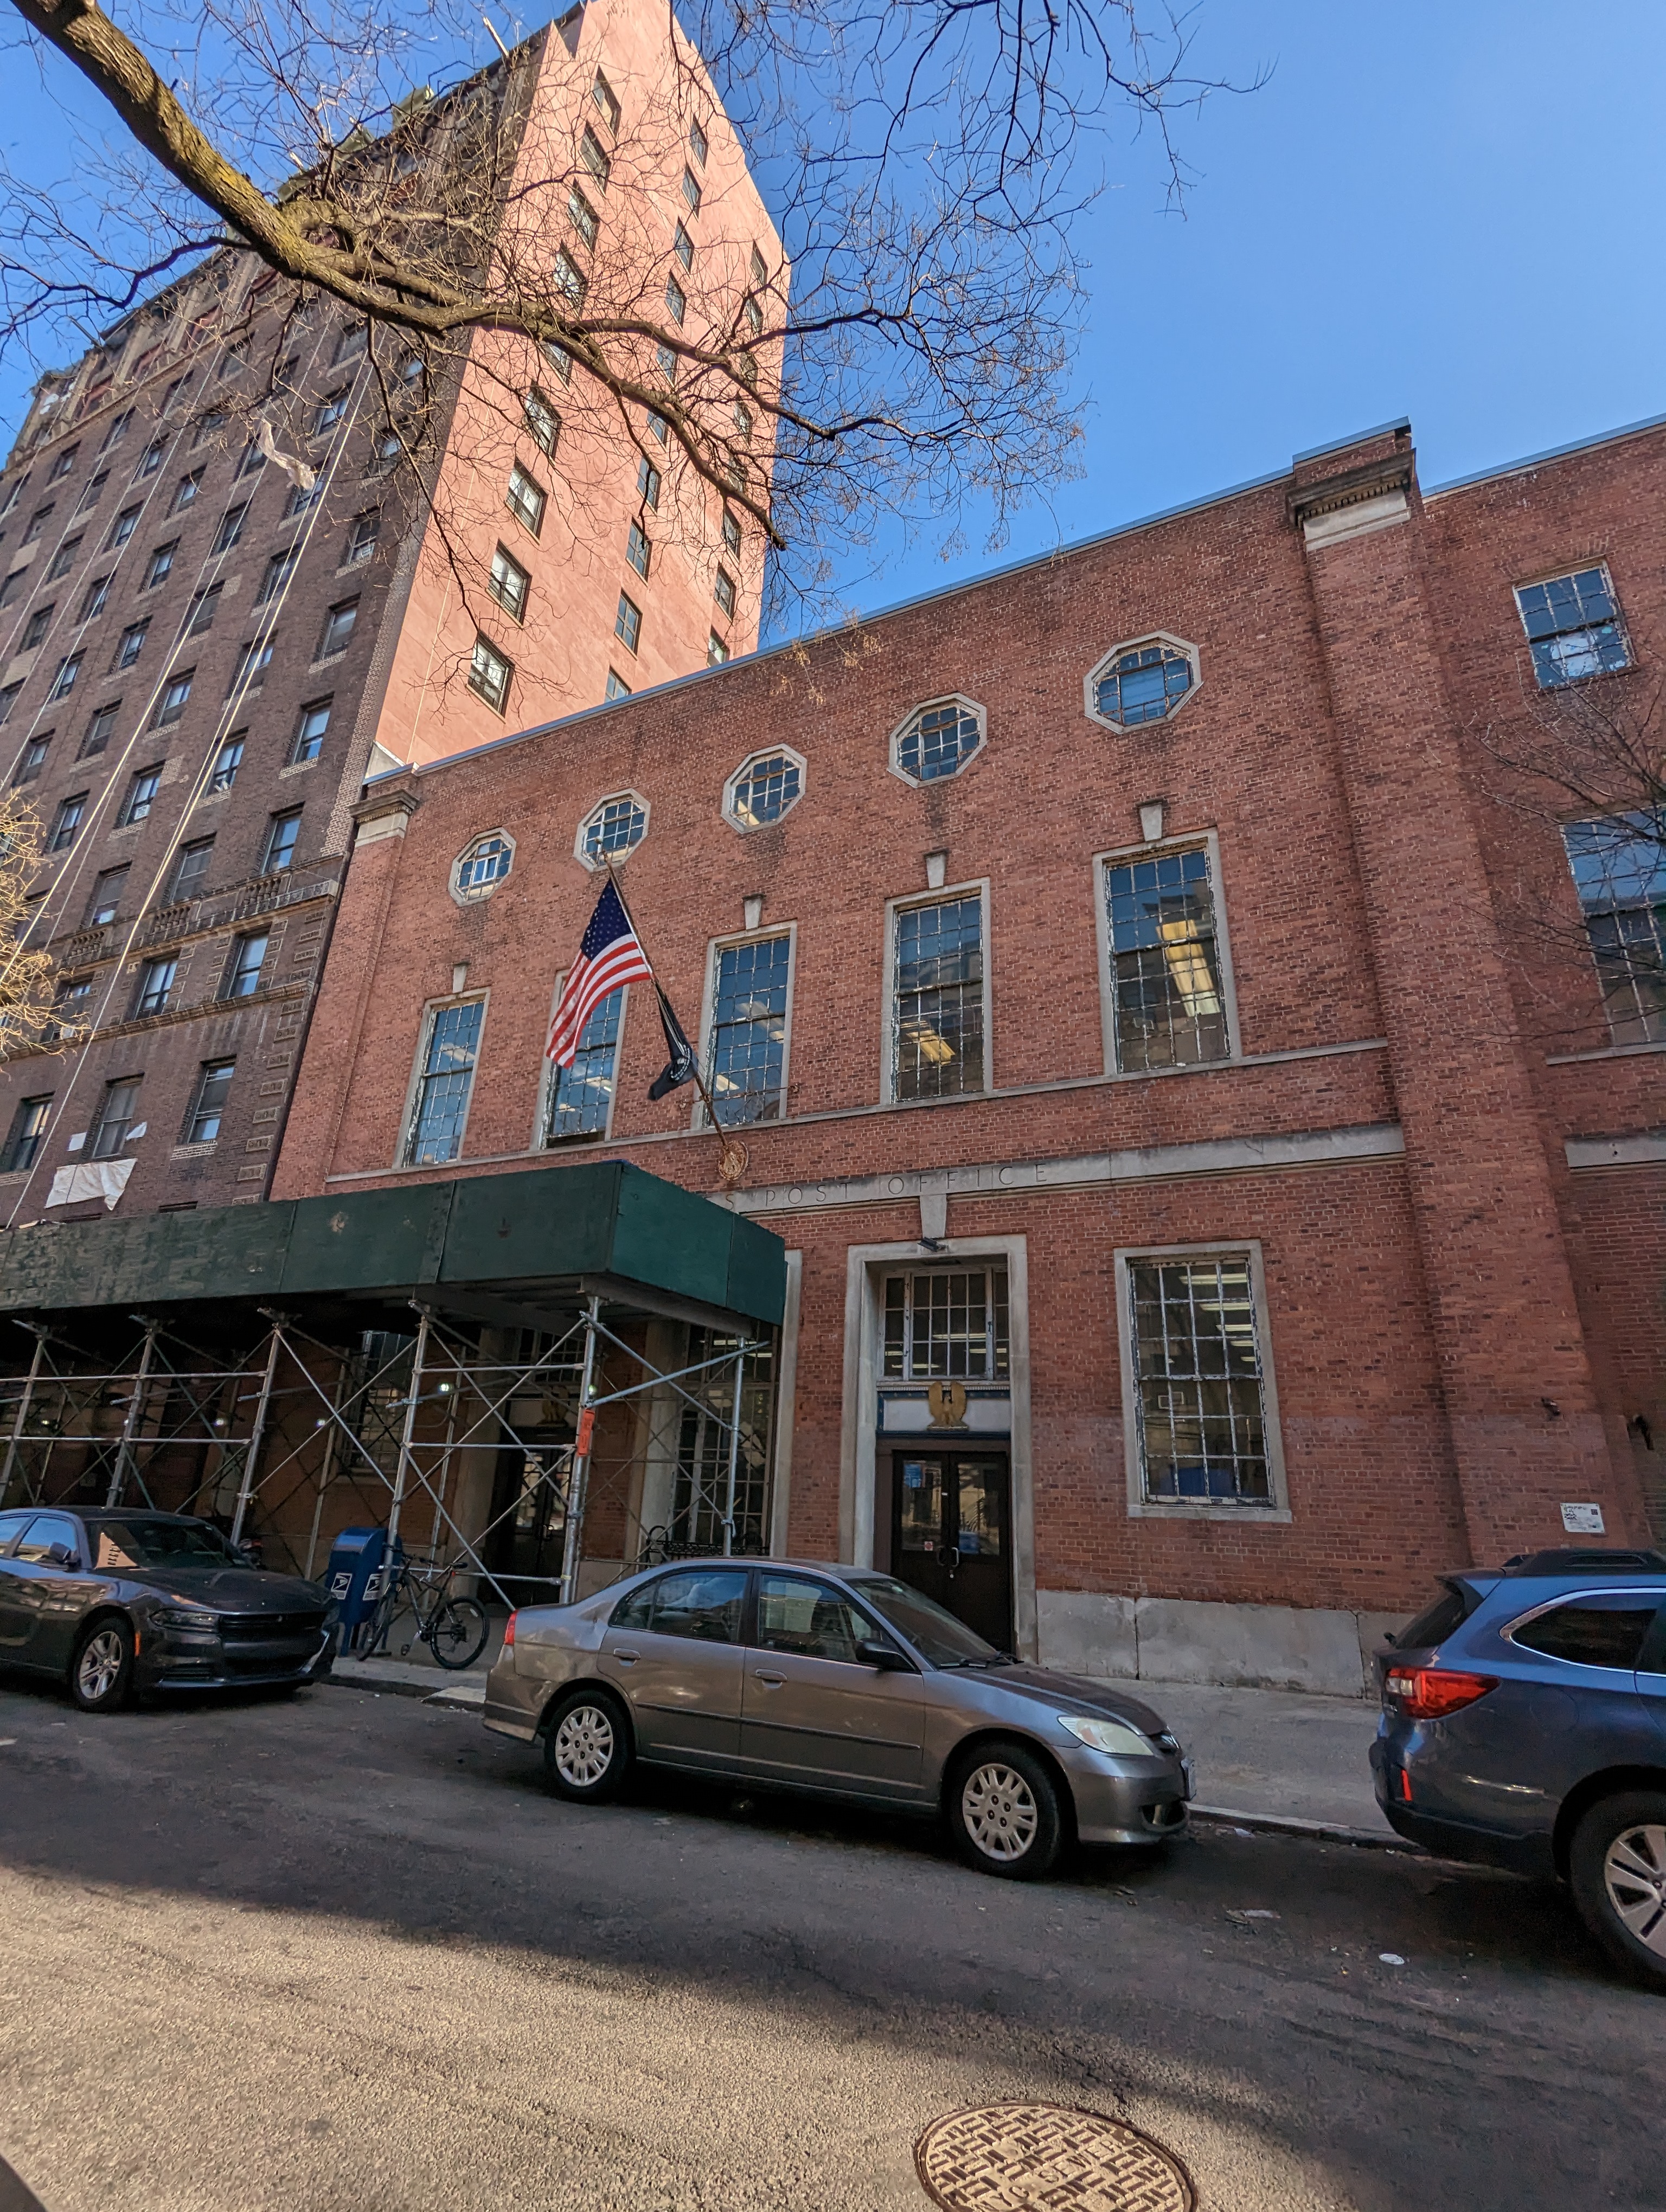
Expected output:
(1047, 2158)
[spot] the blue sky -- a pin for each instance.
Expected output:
(1449, 212)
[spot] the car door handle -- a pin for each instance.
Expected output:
(627, 1658)
(769, 1681)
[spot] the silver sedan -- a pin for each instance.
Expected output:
(843, 1681)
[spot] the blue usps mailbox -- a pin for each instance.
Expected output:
(356, 1578)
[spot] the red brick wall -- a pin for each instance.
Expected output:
(1418, 1312)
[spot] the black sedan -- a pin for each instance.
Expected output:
(120, 1603)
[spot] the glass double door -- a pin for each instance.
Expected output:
(952, 1535)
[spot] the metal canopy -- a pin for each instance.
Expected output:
(530, 1248)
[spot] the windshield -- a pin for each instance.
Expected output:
(160, 1544)
(935, 1634)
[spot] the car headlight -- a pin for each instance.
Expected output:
(1107, 1735)
(176, 1616)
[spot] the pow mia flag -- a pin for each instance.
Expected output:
(679, 1068)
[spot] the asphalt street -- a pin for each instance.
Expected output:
(344, 1952)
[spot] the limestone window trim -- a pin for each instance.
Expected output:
(432, 1009)
(978, 888)
(477, 894)
(1118, 856)
(715, 948)
(1140, 1507)
(593, 862)
(866, 1268)
(894, 742)
(1165, 642)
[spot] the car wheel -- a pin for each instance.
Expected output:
(1617, 1869)
(1006, 1814)
(101, 1672)
(586, 1748)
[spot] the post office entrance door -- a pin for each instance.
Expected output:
(952, 1535)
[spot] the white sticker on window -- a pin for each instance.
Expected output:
(1583, 1519)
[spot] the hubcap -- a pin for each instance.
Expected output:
(100, 1664)
(1634, 1876)
(1001, 1812)
(584, 1746)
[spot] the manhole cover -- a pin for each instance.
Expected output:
(1047, 2158)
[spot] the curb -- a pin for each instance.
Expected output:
(1325, 1832)
(385, 1686)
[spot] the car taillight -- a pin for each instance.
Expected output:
(510, 1635)
(1429, 1694)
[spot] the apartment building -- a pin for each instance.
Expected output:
(249, 554)
(1210, 1209)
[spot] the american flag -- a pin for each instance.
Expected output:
(609, 955)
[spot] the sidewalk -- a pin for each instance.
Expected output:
(1263, 1756)
(1275, 1754)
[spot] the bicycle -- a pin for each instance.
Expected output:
(454, 1628)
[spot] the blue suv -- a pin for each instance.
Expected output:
(1524, 1725)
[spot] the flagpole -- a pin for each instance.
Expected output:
(732, 1165)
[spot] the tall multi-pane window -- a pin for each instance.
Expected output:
(1199, 1380)
(27, 1134)
(1573, 627)
(947, 1323)
(132, 643)
(1168, 1004)
(208, 1107)
(97, 592)
(1618, 866)
(937, 1043)
(581, 1095)
(32, 759)
(278, 571)
(542, 419)
(117, 1115)
(175, 694)
(443, 1088)
(338, 626)
(747, 1053)
(628, 622)
(637, 550)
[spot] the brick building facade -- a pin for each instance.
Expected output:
(233, 576)
(1212, 1208)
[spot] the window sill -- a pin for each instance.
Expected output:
(1603, 1052)
(1209, 1508)
(328, 660)
(193, 1152)
(299, 768)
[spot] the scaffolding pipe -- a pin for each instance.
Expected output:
(578, 1481)
(325, 1473)
(734, 1455)
(135, 1409)
(256, 1434)
(23, 1405)
(407, 1435)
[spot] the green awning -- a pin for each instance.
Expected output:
(526, 1248)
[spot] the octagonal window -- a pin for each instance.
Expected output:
(764, 788)
(615, 826)
(1144, 682)
(478, 871)
(937, 740)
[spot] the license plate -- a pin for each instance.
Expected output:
(1186, 1772)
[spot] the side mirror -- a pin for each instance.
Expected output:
(60, 1555)
(885, 1656)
